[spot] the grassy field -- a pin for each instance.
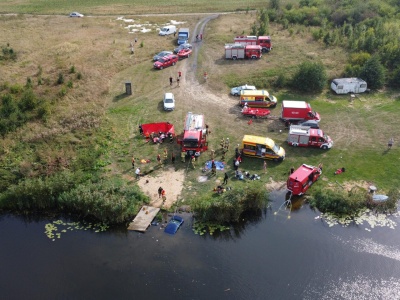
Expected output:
(125, 7)
(98, 47)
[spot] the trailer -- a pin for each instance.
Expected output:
(263, 41)
(255, 112)
(239, 51)
(349, 85)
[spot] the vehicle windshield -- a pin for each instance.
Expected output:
(276, 148)
(161, 60)
(169, 101)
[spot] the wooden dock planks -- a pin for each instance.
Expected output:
(143, 218)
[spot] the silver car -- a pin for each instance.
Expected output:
(161, 54)
(75, 14)
(181, 47)
(236, 90)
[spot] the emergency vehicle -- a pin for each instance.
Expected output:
(301, 179)
(262, 147)
(305, 136)
(193, 140)
(257, 98)
(296, 111)
(263, 41)
(239, 51)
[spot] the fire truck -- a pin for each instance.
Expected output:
(238, 51)
(193, 140)
(263, 41)
(305, 136)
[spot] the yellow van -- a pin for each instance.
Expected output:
(257, 98)
(262, 147)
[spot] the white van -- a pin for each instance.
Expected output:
(166, 30)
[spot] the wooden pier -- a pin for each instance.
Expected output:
(143, 218)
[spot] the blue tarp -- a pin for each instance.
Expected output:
(219, 164)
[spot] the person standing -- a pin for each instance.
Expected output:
(212, 154)
(265, 166)
(160, 189)
(237, 163)
(227, 143)
(178, 81)
(179, 74)
(201, 36)
(137, 172)
(159, 159)
(226, 178)
(165, 154)
(133, 162)
(170, 80)
(193, 161)
(173, 157)
(140, 129)
(183, 157)
(390, 143)
(163, 195)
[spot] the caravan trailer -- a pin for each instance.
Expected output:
(348, 85)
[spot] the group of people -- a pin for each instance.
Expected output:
(178, 79)
(199, 37)
(159, 138)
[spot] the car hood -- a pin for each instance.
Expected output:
(169, 105)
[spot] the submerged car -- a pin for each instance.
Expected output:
(75, 14)
(169, 102)
(161, 54)
(181, 47)
(173, 225)
(185, 53)
(236, 90)
(166, 61)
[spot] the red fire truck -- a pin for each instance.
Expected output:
(305, 136)
(193, 140)
(239, 51)
(301, 179)
(263, 41)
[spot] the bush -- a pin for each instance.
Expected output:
(310, 77)
(373, 72)
(60, 79)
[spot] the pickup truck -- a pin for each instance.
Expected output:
(166, 61)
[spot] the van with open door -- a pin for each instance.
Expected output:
(262, 147)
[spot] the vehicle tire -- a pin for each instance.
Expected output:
(264, 50)
(173, 63)
(236, 95)
(161, 67)
(295, 144)
(324, 147)
(188, 55)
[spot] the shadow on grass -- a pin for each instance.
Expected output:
(120, 97)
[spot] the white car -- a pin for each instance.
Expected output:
(236, 90)
(169, 101)
(76, 14)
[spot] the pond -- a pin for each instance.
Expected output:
(269, 257)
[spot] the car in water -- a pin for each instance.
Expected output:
(310, 123)
(173, 225)
(161, 54)
(169, 102)
(236, 90)
(166, 61)
(75, 15)
(181, 47)
(184, 53)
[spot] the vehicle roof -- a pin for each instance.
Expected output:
(254, 93)
(168, 96)
(259, 140)
(348, 80)
(302, 173)
(249, 87)
(294, 104)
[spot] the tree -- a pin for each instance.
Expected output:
(374, 73)
(275, 4)
(310, 77)
(261, 25)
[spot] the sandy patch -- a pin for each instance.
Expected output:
(275, 185)
(170, 180)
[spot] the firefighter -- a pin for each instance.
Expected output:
(193, 161)
(183, 157)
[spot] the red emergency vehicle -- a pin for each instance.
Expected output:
(239, 51)
(193, 140)
(263, 41)
(305, 136)
(301, 179)
(296, 111)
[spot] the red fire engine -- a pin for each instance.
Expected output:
(240, 51)
(263, 41)
(193, 141)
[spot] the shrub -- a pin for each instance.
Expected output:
(70, 84)
(374, 73)
(310, 77)
(72, 69)
(60, 79)
(79, 76)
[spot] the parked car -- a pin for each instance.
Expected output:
(236, 90)
(161, 54)
(173, 225)
(183, 46)
(166, 61)
(169, 102)
(185, 53)
(310, 123)
(76, 14)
